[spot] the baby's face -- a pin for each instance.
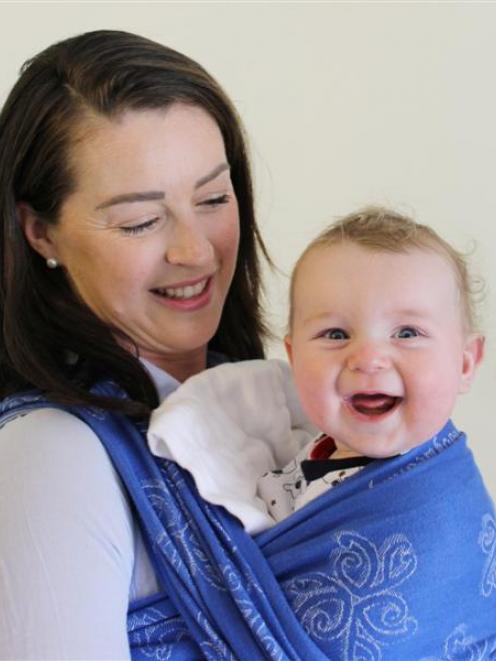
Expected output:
(377, 347)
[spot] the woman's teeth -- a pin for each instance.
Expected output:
(183, 292)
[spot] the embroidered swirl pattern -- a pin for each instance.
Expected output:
(357, 603)
(179, 542)
(487, 541)
(154, 636)
(461, 646)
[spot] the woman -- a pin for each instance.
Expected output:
(129, 263)
(129, 252)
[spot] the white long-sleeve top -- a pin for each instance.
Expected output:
(71, 554)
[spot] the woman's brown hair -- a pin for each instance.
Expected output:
(50, 340)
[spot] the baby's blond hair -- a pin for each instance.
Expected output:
(381, 229)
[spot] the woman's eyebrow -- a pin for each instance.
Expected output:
(212, 175)
(158, 195)
(131, 197)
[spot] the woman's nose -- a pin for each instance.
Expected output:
(189, 246)
(369, 357)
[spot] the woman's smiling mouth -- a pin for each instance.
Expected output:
(187, 296)
(185, 292)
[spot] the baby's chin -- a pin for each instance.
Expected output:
(374, 448)
(382, 447)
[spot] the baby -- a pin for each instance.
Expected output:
(385, 543)
(382, 339)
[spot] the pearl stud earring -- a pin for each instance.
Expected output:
(52, 263)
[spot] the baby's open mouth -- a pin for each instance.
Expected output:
(374, 404)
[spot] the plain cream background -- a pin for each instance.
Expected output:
(345, 104)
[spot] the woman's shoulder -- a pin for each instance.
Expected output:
(56, 442)
(51, 462)
(25, 426)
(51, 459)
(67, 540)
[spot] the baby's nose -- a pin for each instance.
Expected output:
(368, 357)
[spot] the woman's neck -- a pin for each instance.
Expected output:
(179, 366)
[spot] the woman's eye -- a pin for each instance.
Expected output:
(216, 201)
(407, 332)
(141, 227)
(335, 334)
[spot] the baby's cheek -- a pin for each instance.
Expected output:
(318, 406)
(429, 408)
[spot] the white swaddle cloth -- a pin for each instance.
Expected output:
(228, 426)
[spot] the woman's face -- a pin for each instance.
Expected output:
(149, 238)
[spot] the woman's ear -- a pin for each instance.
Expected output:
(472, 356)
(36, 231)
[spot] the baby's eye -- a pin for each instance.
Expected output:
(407, 332)
(335, 334)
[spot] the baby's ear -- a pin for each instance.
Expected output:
(472, 356)
(289, 348)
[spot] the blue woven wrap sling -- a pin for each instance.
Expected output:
(396, 563)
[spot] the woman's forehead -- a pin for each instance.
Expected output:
(176, 142)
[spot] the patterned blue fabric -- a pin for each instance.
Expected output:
(396, 563)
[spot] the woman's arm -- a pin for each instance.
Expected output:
(66, 543)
